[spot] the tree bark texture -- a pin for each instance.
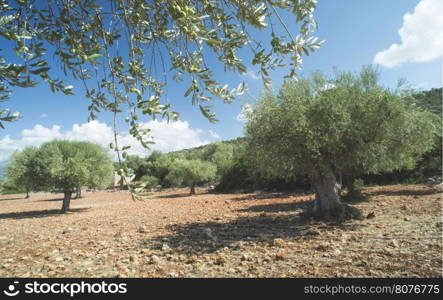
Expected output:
(327, 192)
(66, 201)
(192, 189)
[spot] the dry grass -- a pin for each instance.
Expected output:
(219, 235)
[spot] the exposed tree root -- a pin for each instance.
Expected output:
(339, 214)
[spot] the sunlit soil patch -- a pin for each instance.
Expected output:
(172, 234)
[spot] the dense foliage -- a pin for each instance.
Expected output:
(19, 171)
(121, 50)
(61, 165)
(191, 173)
(330, 128)
(239, 175)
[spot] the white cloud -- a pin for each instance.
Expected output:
(174, 135)
(243, 115)
(167, 137)
(421, 36)
(43, 116)
(213, 134)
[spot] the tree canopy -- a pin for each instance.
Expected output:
(19, 171)
(70, 165)
(328, 127)
(124, 51)
(191, 172)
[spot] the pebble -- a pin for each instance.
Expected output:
(280, 256)
(279, 242)
(154, 260)
(142, 229)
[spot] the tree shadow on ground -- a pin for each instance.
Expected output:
(208, 237)
(60, 199)
(355, 198)
(268, 196)
(173, 196)
(278, 207)
(14, 198)
(180, 195)
(402, 192)
(38, 213)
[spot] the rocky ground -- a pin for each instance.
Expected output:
(172, 234)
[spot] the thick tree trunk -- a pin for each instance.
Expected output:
(192, 189)
(78, 194)
(327, 197)
(66, 201)
(27, 194)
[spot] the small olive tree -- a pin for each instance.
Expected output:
(68, 165)
(191, 172)
(19, 170)
(221, 155)
(328, 127)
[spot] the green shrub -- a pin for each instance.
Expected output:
(149, 181)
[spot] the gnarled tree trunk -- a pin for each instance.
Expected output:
(192, 189)
(66, 201)
(327, 193)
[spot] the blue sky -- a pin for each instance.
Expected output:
(402, 36)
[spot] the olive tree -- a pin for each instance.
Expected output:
(221, 155)
(191, 172)
(328, 127)
(19, 169)
(124, 51)
(70, 165)
(159, 165)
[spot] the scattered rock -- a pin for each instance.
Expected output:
(322, 247)
(438, 187)
(165, 247)
(192, 259)
(67, 230)
(312, 232)
(280, 256)
(155, 260)
(370, 215)
(279, 242)
(388, 251)
(395, 243)
(142, 229)
(173, 274)
(220, 260)
(184, 242)
(208, 234)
